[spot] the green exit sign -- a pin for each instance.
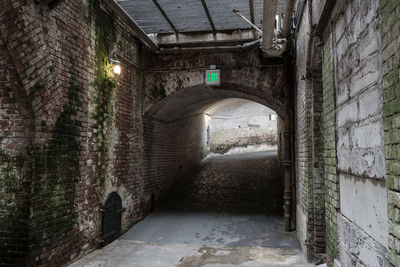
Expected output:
(213, 77)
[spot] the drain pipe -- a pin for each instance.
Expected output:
(269, 12)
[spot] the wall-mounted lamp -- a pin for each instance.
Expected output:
(117, 63)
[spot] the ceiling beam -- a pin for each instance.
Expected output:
(251, 4)
(165, 16)
(233, 37)
(208, 15)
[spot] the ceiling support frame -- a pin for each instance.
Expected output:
(135, 27)
(203, 2)
(251, 4)
(165, 16)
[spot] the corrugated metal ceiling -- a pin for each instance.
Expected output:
(189, 15)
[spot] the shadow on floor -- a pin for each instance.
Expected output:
(248, 183)
(226, 212)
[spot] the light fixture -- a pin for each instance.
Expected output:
(117, 69)
(117, 63)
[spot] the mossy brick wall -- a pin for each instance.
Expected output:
(16, 129)
(354, 151)
(303, 141)
(76, 135)
(330, 161)
(390, 37)
(317, 154)
(314, 104)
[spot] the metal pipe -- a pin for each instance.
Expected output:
(237, 12)
(251, 5)
(247, 45)
(269, 12)
(250, 44)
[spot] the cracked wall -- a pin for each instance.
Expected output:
(354, 166)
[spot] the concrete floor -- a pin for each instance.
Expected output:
(183, 233)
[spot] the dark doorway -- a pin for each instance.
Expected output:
(111, 223)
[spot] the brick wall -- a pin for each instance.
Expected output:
(330, 161)
(390, 38)
(303, 141)
(318, 181)
(71, 131)
(171, 149)
(16, 130)
(355, 166)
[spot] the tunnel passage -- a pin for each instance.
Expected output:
(237, 125)
(176, 141)
(212, 209)
(247, 183)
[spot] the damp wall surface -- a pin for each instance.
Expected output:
(341, 83)
(72, 132)
(62, 149)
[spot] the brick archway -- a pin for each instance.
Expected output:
(199, 97)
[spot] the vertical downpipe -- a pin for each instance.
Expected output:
(269, 11)
(287, 194)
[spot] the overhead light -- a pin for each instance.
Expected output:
(117, 63)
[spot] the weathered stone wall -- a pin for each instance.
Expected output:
(62, 148)
(354, 162)
(390, 42)
(241, 123)
(359, 97)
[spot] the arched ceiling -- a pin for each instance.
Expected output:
(232, 107)
(196, 100)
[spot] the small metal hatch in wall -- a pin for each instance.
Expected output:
(111, 218)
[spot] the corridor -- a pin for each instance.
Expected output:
(225, 212)
(120, 120)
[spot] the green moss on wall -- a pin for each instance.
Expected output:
(330, 161)
(14, 209)
(56, 171)
(103, 91)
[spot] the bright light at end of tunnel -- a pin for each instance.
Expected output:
(207, 118)
(117, 69)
